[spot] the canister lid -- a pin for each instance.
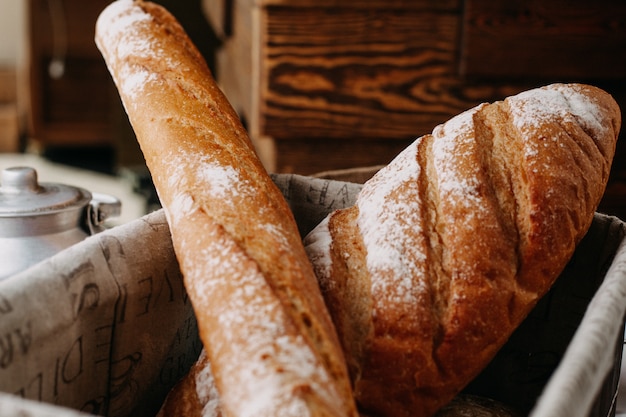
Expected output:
(21, 194)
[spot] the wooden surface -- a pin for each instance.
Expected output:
(359, 71)
(314, 155)
(570, 39)
(358, 4)
(334, 85)
(356, 73)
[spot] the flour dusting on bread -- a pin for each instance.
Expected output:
(382, 227)
(272, 347)
(461, 234)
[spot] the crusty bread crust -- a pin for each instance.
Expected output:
(450, 246)
(268, 336)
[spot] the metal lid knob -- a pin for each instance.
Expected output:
(19, 179)
(21, 194)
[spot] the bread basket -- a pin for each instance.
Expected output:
(105, 327)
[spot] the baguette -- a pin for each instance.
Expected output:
(450, 246)
(269, 339)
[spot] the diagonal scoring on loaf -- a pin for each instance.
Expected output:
(464, 176)
(460, 236)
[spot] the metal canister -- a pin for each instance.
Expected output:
(38, 220)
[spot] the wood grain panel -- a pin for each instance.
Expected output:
(362, 4)
(312, 155)
(544, 39)
(358, 73)
(329, 84)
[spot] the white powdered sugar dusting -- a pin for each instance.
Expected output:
(116, 18)
(217, 181)
(392, 261)
(262, 362)
(117, 35)
(183, 204)
(390, 205)
(531, 109)
(249, 334)
(221, 179)
(454, 142)
(132, 81)
(294, 360)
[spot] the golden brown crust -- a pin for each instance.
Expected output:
(449, 247)
(270, 340)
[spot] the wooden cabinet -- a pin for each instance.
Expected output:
(328, 84)
(76, 106)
